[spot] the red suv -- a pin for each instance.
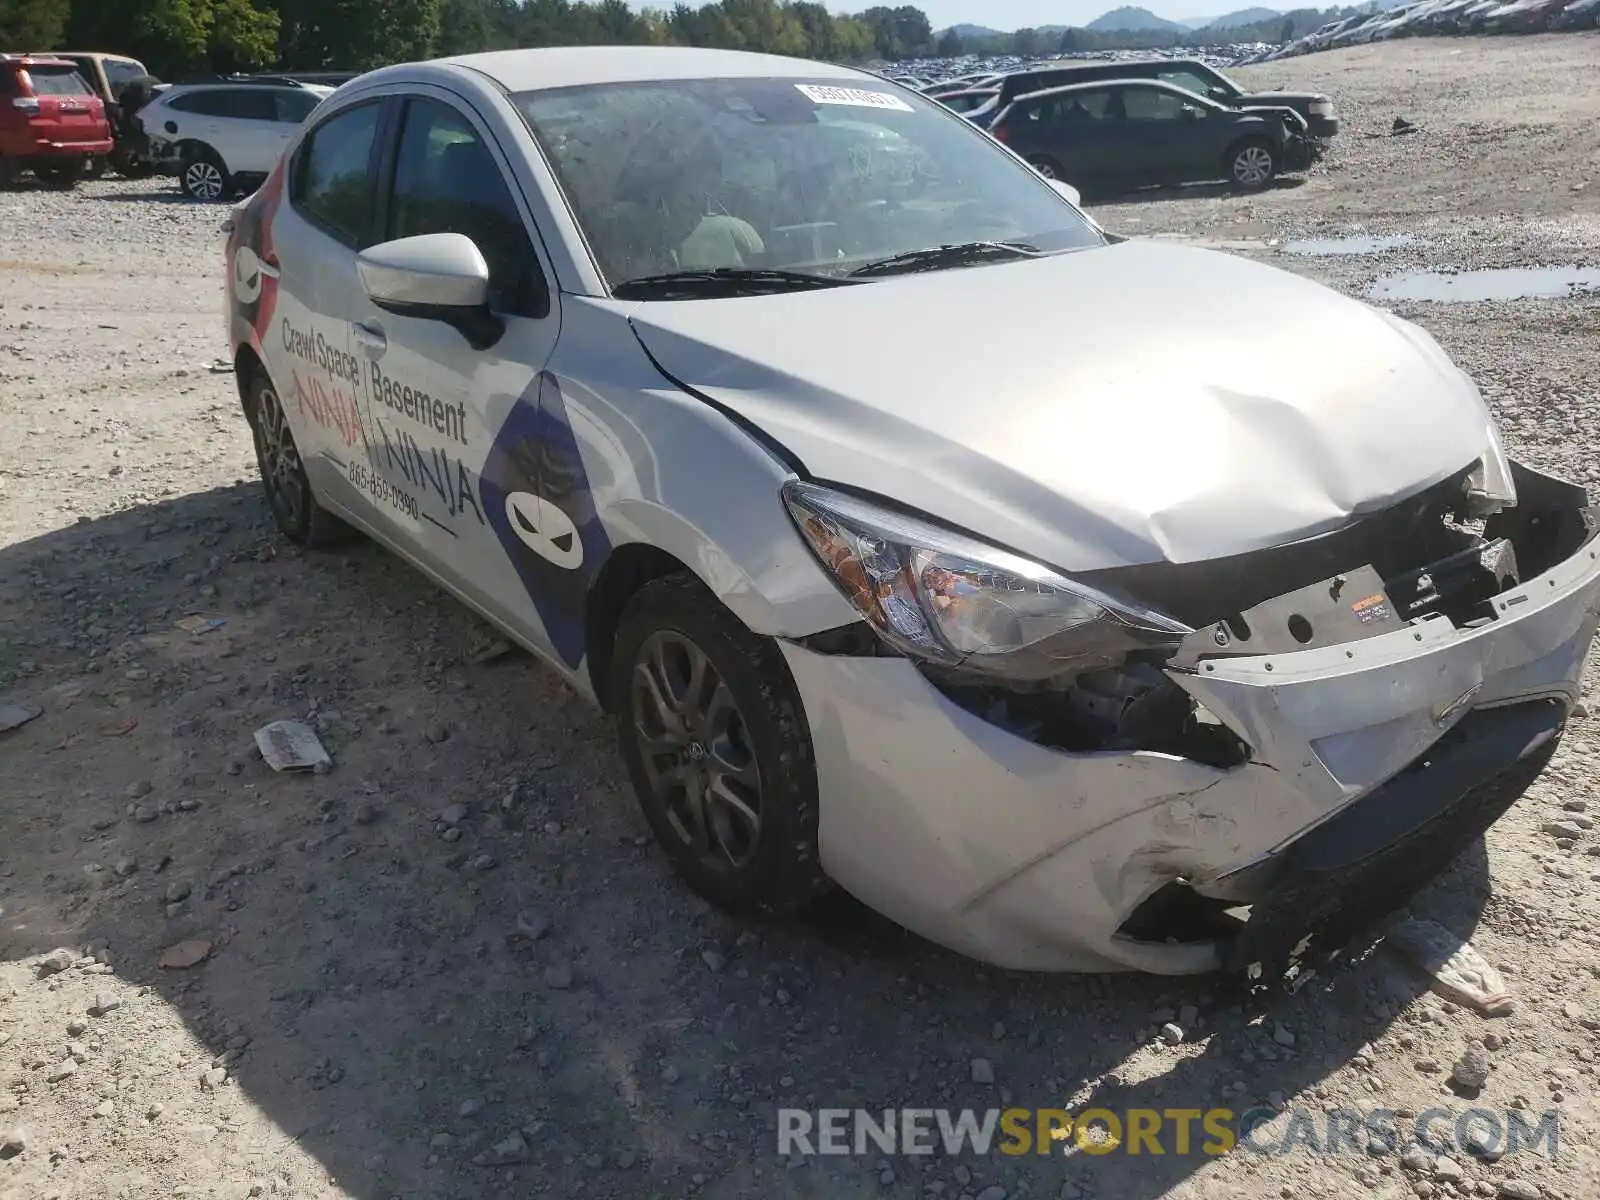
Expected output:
(50, 119)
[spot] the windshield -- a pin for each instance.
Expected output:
(740, 174)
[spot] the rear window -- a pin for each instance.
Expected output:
(58, 81)
(120, 72)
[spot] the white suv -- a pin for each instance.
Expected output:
(222, 138)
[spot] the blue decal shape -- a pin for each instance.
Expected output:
(537, 500)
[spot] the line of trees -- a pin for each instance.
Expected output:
(177, 37)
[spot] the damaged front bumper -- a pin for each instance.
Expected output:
(1369, 760)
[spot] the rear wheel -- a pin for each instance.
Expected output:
(283, 475)
(716, 743)
(1251, 165)
(204, 178)
(59, 172)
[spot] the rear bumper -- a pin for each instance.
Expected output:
(35, 146)
(1036, 858)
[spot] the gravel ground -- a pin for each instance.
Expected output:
(455, 967)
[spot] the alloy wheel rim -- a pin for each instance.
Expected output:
(280, 458)
(1045, 169)
(204, 180)
(696, 751)
(1253, 165)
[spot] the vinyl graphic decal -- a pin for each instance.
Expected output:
(536, 498)
(253, 292)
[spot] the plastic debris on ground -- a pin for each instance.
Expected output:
(198, 625)
(292, 746)
(13, 716)
(1458, 971)
(184, 955)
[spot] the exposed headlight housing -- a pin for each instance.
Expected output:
(942, 597)
(1321, 108)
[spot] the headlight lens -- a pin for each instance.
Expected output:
(1322, 108)
(945, 598)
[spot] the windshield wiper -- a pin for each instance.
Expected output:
(934, 257)
(722, 281)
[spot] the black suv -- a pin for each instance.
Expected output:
(1131, 133)
(1188, 73)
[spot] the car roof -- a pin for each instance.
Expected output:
(1100, 85)
(36, 60)
(101, 55)
(568, 66)
(320, 90)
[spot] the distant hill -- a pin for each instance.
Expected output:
(977, 31)
(1245, 16)
(1122, 20)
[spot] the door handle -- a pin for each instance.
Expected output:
(371, 337)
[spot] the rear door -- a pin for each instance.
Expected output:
(250, 141)
(66, 108)
(313, 221)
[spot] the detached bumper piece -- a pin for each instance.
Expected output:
(1360, 866)
(1299, 153)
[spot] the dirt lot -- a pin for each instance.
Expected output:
(515, 997)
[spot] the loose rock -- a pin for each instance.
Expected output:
(1471, 1070)
(54, 963)
(982, 1071)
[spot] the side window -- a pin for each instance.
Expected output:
(201, 104)
(1075, 107)
(1152, 104)
(447, 181)
(1187, 80)
(331, 180)
(246, 104)
(294, 107)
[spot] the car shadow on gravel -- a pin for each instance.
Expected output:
(1189, 191)
(515, 993)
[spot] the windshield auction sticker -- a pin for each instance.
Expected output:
(852, 97)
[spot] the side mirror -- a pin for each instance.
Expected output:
(1069, 192)
(433, 277)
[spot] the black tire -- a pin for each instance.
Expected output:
(1250, 165)
(203, 177)
(283, 476)
(772, 867)
(59, 172)
(1045, 165)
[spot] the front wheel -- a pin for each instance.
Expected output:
(715, 740)
(283, 475)
(1048, 167)
(1251, 165)
(204, 178)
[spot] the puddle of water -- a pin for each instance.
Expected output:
(1360, 243)
(1508, 283)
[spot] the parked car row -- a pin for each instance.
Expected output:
(1112, 124)
(69, 115)
(1422, 18)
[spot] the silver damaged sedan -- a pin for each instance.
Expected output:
(922, 539)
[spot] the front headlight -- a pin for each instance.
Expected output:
(940, 596)
(1322, 108)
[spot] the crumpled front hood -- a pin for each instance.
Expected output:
(1098, 408)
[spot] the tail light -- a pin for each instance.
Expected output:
(1000, 133)
(27, 104)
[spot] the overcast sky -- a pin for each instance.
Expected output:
(1014, 14)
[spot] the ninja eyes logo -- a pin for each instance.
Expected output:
(246, 276)
(545, 529)
(537, 499)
